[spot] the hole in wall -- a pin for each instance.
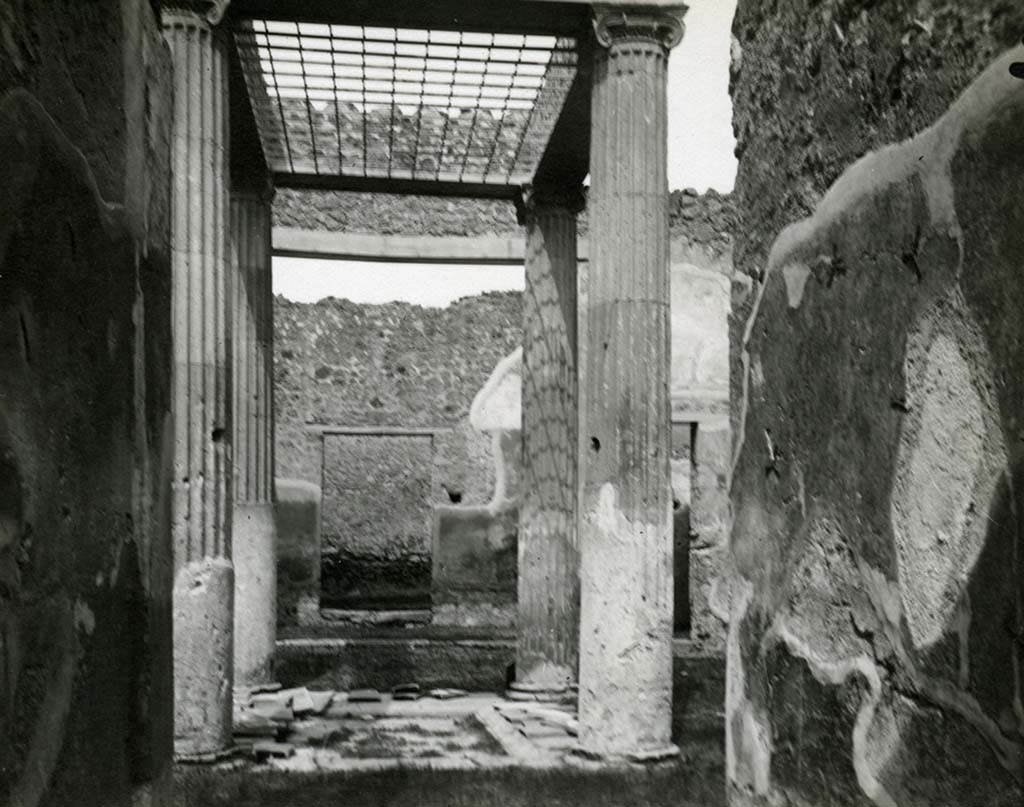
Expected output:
(595, 445)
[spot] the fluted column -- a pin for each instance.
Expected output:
(625, 701)
(254, 536)
(201, 506)
(548, 616)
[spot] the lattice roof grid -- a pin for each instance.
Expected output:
(395, 103)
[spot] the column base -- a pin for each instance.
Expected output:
(532, 692)
(204, 592)
(543, 681)
(254, 546)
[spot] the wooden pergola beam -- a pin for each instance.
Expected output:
(542, 17)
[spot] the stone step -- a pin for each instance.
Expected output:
(382, 663)
(477, 661)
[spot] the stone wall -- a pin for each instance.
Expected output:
(704, 220)
(85, 619)
(396, 365)
(370, 369)
(876, 612)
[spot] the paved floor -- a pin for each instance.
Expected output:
(474, 730)
(476, 749)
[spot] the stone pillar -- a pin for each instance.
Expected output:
(625, 702)
(201, 508)
(548, 616)
(254, 536)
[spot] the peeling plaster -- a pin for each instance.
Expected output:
(951, 457)
(937, 477)
(928, 155)
(85, 619)
(748, 747)
(795, 275)
(866, 761)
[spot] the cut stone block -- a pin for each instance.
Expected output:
(266, 749)
(364, 696)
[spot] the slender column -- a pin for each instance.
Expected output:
(548, 619)
(201, 508)
(625, 702)
(254, 536)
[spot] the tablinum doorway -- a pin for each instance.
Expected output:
(376, 521)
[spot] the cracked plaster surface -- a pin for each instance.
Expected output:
(864, 506)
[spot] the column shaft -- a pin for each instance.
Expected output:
(625, 699)
(201, 528)
(253, 526)
(548, 616)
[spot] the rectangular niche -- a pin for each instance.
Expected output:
(376, 521)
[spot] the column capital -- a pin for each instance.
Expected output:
(661, 26)
(534, 198)
(212, 11)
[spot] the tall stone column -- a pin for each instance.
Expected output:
(254, 535)
(625, 702)
(201, 508)
(548, 617)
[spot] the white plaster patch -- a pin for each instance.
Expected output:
(836, 671)
(748, 746)
(498, 404)
(795, 275)
(85, 619)
(609, 519)
(936, 479)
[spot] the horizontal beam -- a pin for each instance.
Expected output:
(549, 18)
(415, 187)
(374, 431)
(293, 242)
(484, 250)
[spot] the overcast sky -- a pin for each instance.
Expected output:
(700, 155)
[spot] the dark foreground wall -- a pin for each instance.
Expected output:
(85, 627)
(874, 652)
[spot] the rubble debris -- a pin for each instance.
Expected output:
(272, 710)
(298, 699)
(247, 723)
(444, 694)
(405, 692)
(266, 749)
(549, 714)
(321, 700)
(364, 696)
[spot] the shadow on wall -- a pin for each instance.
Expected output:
(85, 631)
(876, 644)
